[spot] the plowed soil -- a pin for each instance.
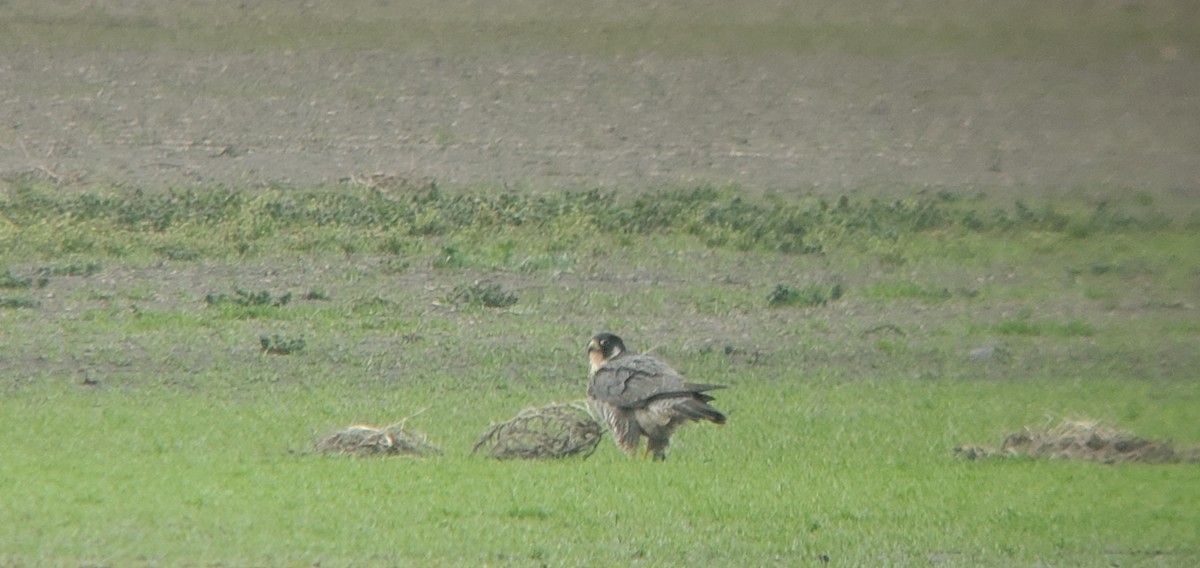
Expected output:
(103, 111)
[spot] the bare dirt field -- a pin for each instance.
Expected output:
(120, 93)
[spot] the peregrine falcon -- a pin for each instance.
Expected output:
(639, 395)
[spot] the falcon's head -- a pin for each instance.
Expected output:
(602, 347)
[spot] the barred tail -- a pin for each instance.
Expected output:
(697, 409)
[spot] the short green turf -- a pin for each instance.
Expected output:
(146, 425)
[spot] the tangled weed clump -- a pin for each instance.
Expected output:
(483, 295)
(812, 295)
(547, 432)
(363, 440)
(1088, 440)
(280, 345)
(17, 302)
(73, 269)
(7, 280)
(245, 298)
(316, 294)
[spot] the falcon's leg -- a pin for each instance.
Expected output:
(657, 447)
(624, 428)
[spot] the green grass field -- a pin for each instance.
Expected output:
(863, 338)
(860, 472)
(145, 425)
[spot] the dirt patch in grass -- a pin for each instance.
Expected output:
(1088, 440)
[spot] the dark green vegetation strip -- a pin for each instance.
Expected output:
(184, 223)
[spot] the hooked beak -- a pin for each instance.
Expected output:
(593, 345)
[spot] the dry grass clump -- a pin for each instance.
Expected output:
(1088, 440)
(365, 440)
(553, 431)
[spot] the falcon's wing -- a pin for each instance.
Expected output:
(631, 381)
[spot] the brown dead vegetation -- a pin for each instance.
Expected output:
(547, 432)
(365, 440)
(1088, 440)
